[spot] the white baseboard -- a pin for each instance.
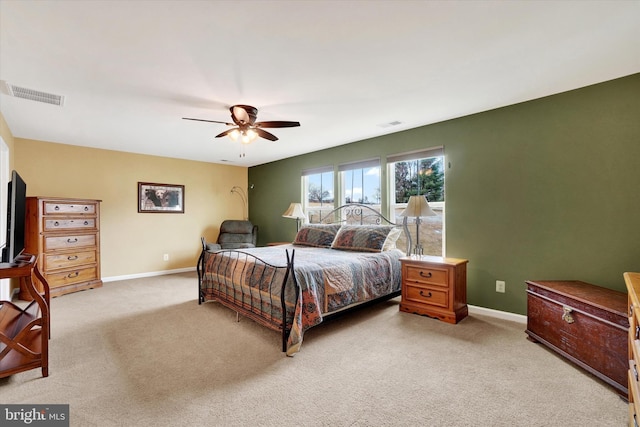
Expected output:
(504, 315)
(149, 274)
(472, 308)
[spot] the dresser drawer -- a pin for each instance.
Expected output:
(435, 297)
(69, 242)
(69, 260)
(51, 224)
(426, 275)
(52, 208)
(70, 277)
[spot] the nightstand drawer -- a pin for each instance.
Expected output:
(429, 296)
(426, 275)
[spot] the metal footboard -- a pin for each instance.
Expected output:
(252, 287)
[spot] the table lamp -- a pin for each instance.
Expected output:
(417, 207)
(295, 211)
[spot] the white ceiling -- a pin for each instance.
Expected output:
(130, 70)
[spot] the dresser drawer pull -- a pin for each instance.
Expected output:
(72, 241)
(72, 257)
(86, 223)
(57, 208)
(428, 275)
(422, 294)
(86, 208)
(637, 332)
(72, 275)
(566, 314)
(635, 372)
(56, 223)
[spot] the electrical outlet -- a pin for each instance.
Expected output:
(500, 286)
(166, 257)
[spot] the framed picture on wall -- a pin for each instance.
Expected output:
(160, 198)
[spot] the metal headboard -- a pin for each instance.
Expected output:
(358, 214)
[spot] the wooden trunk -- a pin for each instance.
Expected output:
(584, 323)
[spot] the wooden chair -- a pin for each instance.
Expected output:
(24, 333)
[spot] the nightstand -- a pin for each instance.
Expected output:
(434, 287)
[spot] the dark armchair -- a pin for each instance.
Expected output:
(235, 234)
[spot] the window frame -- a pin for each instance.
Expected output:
(306, 173)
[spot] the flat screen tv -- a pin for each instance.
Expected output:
(16, 215)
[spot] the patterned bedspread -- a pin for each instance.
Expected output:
(329, 280)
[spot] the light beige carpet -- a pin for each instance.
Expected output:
(143, 352)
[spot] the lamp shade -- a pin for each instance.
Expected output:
(417, 207)
(294, 211)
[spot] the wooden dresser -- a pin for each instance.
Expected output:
(584, 323)
(632, 281)
(66, 235)
(435, 287)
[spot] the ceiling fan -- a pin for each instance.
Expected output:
(244, 118)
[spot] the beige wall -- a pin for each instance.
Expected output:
(131, 242)
(7, 136)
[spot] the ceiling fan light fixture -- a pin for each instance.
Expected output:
(248, 136)
(234, 134)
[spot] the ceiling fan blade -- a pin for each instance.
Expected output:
(209, 121)
(226, 132)
(277, 124)
(266, 135)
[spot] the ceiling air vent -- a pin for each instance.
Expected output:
(389, 124)
(34, 95)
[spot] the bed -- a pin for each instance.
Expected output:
(347, 260)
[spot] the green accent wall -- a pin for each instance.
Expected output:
(545, 189)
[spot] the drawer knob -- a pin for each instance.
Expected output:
(427, 295)
(637, 332)
(57, 208)
(72, 275)
(86, 223)
(56, 223)
(72, 257)
(566, 315)
(635, 371)
(86, 208)
(428, 275)
(75, 240)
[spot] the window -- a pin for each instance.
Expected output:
(419, 173)
(360, 183)
(318, 192)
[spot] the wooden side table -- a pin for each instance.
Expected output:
(435, 287)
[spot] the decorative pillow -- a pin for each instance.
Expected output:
(392, 238)
(317, 235)
(365, 238)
